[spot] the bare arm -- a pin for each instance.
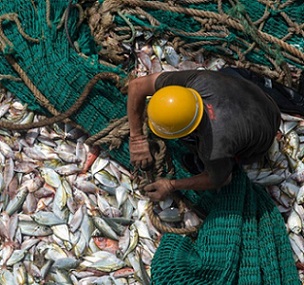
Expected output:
(160, 189)
(198, 182)
(138, 90)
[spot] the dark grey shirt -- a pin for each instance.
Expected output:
(239, 123)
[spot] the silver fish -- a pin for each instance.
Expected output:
(294, 222)
(170, 215)
(103, 261)
(6, 150)
(34, 229)
(171, 56)
(16, 203)
(104, 228)
(47, 218)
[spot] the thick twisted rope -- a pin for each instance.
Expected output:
(112, 135)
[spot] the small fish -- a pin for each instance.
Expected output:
(287, 127)
(123, 272)
(215, 64)
(47, 218)
(158, 51)
(26, 167)
(170, 215)
(300, 195)
(121, 194)
(4, 109)
(76, 219)
(106, 179)
(50, 176)
(188, 65)
(292, 141)
(46, 141)
(68, 169)
(33, 229)
(296, 242)
(106, 244)
(99, 164)
(20, 273)
(104, 228)
(67, 263)
(145, 59)
(288, 117)
(155, 65)
(34, 153)
(134, 237)
(103, 261)
(294, 222)
(144, 275)
(8, 173)
(61, 231)
(68, 157)
(28, 118)
(171, 56)
(271, 179)
(18, 255)
(15, 204)
(6, 150)
(191, 219)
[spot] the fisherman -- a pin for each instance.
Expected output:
(225, 119)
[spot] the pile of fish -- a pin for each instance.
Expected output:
(70, 214)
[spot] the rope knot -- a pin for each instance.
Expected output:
(295, 30)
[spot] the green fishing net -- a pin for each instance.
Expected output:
(36, 34)
(243, 240)
(33, 33)
(264, 33)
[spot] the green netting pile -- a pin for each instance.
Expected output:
(252, 33)
(242, 241)
(34, 34)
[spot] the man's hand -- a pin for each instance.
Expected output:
(140, 154)
(159, 190)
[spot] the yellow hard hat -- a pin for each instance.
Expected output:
(174, 111)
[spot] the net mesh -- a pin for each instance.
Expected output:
(264, 35)
(242, 241)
